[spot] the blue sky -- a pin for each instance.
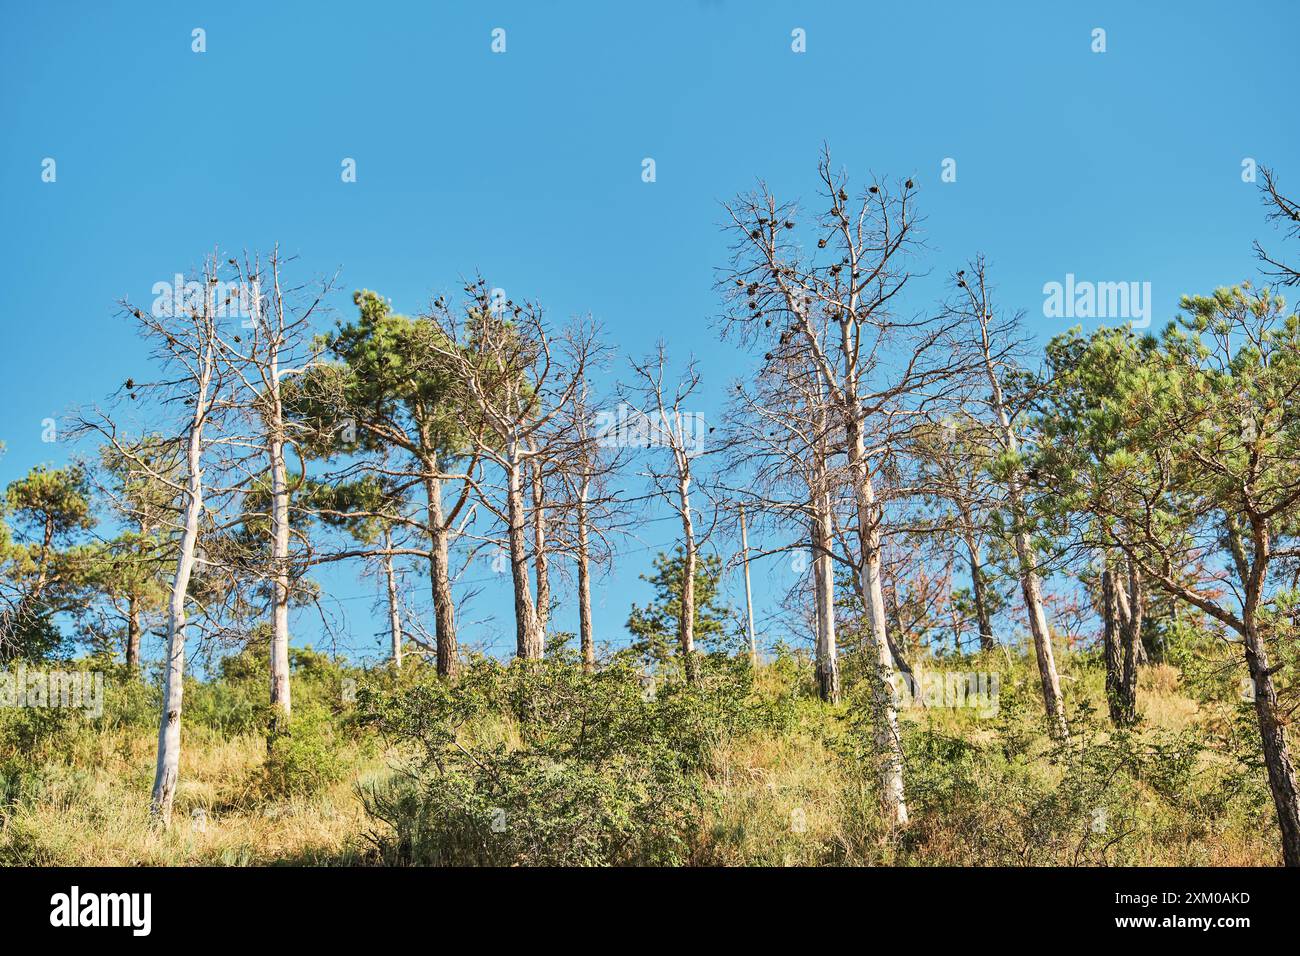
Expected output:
(1123, 165)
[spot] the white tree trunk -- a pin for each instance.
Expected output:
(281, 704)
(749, 599)
(169, 729)
(827, 655)
(889, 744)
(686, 619)
(528, 632)
(394, 613)
(541, 562)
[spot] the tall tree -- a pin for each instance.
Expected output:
(669, 423)
(276, 349)
(881, 372)
(994, 342)
(1187, 448)
(513, 376)
(197, 442)
(395, 385)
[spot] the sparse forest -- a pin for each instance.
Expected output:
(1044, 605)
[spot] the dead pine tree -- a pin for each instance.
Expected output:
(191, 407)
(878, 368)
(590, 508)
(780, 433)
(674, 436)
(994, 343)
(513, 374)
(270, 344)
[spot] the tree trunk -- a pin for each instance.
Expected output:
(978, 594)
(528, 632)
(394, 613)
(281, 702)
(133, 633)
(686, 617)
(541, 563)
(585, 636)
(1131, 629)
(1030, 588)
(1122, 603)
(444, 606)
(1112, 644)
(1277, 755)
(827, 658)
(169, 729)
(749, 597)
(888, 743)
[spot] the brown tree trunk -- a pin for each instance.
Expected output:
(444, 605)
(979, 595)
(1131, 630)
(1112, 644)
(1277, 755)
(394, 613)
(133, 633)
(585, 636)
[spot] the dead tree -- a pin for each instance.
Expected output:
(512, 377)
(674, 437)
(196, 403)
(994, 342)
(269, 346)
(880, 371)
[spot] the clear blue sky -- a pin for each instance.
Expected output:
(526, 165)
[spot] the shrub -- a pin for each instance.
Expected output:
(542, 764)
(305, 759)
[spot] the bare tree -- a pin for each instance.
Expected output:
(195, 381)
(995, 342)
(513, 376)
(670, 425)
(278, 335)
(881, 372)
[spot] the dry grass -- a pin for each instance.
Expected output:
(98, 814)
(791, 798)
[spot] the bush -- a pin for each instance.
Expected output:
(542, 764)
(303, 760)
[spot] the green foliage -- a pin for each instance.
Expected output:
(654, 626)
(304, 760)
(45, 566)
(544, 764)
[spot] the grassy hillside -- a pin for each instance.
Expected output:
(548, 765)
